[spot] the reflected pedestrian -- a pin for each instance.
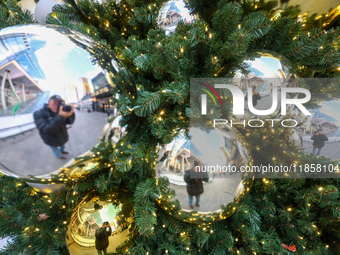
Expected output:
(319, 139)
(102, 238)
(256, 96)
(194, 179)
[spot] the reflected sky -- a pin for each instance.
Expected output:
(172, 7)
(266, 66)
(269, 66)
(332, 109)
(62, 62)
(209, 146)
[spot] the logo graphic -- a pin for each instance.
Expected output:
(204, 98)
(239, 100)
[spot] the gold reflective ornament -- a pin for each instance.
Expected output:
(44, 69)
(92, 222)
(204, 172)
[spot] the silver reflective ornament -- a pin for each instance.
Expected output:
(204, 172)
(173, 12)
(44, 69)
(262, 78)
(90, 217)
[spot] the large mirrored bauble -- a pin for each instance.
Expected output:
(206, 164)
(88, 217)
(173, 12)
(37, 62)
(264, 75)
(325, 117)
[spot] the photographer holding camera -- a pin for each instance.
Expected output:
(51, 122)
(319, 139)
(102, 238)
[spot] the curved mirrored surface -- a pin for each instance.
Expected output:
(45, 70)
(171, 13)
(264, 74)
(296, 137)
(204, 172)
(113, 131)
(321, 131)
(95, 216)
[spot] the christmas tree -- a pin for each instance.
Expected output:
(275, 215)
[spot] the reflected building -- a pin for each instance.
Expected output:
(102, 93)
(113, 78)
(173, 12)
(19, 75)
(319, 120)
(19, 70)
(88, 218)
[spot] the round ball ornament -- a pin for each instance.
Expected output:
(47, 70)
(93, 217)
(261, 79)
(173, 12)
(43, 8)
(203, 173)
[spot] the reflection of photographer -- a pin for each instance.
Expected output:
(102, 238)
(256, 95)
(51, 122)
(194, 179)
(319, 139)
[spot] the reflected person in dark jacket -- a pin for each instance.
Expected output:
(102, 238)
(256, 96)
(51, 122)
(194, 179)
(319, 139)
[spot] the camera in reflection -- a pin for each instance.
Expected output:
(66, 107)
